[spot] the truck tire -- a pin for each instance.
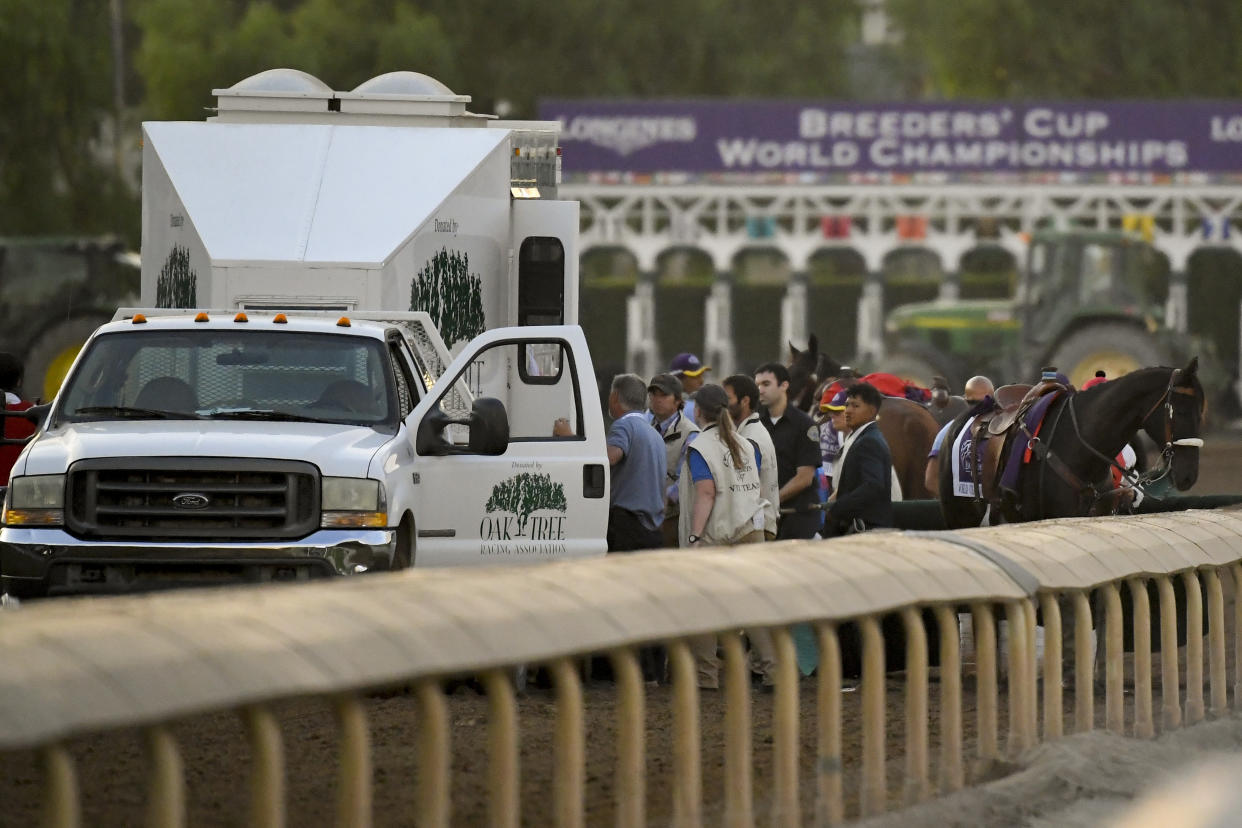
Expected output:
(1112, 347)
(918, 363)
(403, 558)
(48, 359)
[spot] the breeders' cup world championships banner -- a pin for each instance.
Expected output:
(710, 137)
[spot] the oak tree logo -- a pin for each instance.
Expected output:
(524, 494)
(452, 295)
(177, 285)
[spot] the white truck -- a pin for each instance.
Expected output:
(314, 424)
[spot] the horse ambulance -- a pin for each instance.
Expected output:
(389, 338)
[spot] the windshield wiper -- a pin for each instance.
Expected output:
(129, 412)
(263, 414)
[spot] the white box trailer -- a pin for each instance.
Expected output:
(391, 197)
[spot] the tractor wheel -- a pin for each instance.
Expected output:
(1111, 347)
(49, 358)
(918, 363)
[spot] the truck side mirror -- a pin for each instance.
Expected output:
(489, 430)
(430, 436)
(489, 427)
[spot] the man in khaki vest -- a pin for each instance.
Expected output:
(665, 411)
(744, 408)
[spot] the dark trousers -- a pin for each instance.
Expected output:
(799, 525)
(626, 532)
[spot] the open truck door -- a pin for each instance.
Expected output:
(494, 482)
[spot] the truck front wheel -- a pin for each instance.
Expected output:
(1113, 348)
(403, 557)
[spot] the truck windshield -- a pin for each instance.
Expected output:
(219, 374)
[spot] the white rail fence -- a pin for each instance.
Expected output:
(74, 668)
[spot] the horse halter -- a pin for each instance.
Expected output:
(1157, 472)
(1167, 400)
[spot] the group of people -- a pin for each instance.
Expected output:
(697, 464)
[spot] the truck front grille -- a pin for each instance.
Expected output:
(192, 498)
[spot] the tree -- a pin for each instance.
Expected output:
(516, 51)
(57, 173)
(452, 295)
(1074, 48)
(190, 48)
(526, 493)
(177, 284)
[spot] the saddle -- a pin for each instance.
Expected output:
(1009, 401)
(999, 428)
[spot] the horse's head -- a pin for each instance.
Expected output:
(809, 372)
(1175, 423)
(802, 375)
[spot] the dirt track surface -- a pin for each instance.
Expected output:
(1220, 464)
(217, 760)
(1085, 780)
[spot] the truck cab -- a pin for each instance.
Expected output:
(225, 446)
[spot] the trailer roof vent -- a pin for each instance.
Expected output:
(408, 97)
(277, 94)
(392, 99)
(283, 82)
(404, 83)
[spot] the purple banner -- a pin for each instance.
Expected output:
(708, 137)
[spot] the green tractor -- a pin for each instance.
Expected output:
(56, 291)
(1085, 301)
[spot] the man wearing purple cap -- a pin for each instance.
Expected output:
(832, 433)
(688, 368)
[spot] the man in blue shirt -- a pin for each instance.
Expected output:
(637, 457)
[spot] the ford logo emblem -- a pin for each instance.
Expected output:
(191, 500)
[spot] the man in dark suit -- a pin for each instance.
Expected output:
(864, 491)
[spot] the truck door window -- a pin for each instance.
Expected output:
(541, 299)
(533, 403)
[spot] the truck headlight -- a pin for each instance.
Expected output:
(351, 501)
(35, 500)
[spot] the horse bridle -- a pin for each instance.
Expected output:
(1167, 399)
(1161, 469)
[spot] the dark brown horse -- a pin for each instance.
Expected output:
(809, 372)
(908, 427)
(1070, 473)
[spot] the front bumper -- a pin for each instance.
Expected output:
(37, 562)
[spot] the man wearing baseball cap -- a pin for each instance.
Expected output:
(831, 436)
(688, 368)
(664, 406)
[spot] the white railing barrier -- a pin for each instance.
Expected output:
(80, 667)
